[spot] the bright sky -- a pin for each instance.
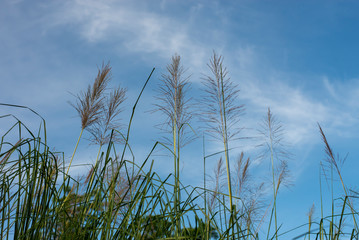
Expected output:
(297, 57)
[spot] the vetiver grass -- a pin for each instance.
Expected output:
(123, 199)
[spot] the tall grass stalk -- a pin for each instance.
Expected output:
(334, 165)
(205, 187)
(310, 219)
(221, 112)
(89, 104)
(272, 145)
(321, 204)
(175, 105)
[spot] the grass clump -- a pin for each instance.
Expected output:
(122, 199)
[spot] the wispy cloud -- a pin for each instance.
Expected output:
(134, 28)
(298, 106)
(298, 111)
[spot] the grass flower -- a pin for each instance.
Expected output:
(272, 133)
(175, 105)
(220, 109)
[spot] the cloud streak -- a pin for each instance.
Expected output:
(131, 27)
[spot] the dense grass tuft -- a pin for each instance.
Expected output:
(119, 199)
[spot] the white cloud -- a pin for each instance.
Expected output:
(298, 107)
(298, 110)
(135, 28)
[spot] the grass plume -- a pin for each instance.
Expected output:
(89, 104)
(221, 111)
(175, 105)
(272, 145)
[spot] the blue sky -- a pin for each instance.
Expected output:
(297, 57)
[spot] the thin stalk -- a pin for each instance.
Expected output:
(174, 132)
(321, 204)
(274, 188)
(225, 142)
(332, 182)
(224, 212)
(333, 162)
(205, 189)
(68, 168)
(220, 107)
(349, 203)
(73, 154)
(178, 183)
(98, 155)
